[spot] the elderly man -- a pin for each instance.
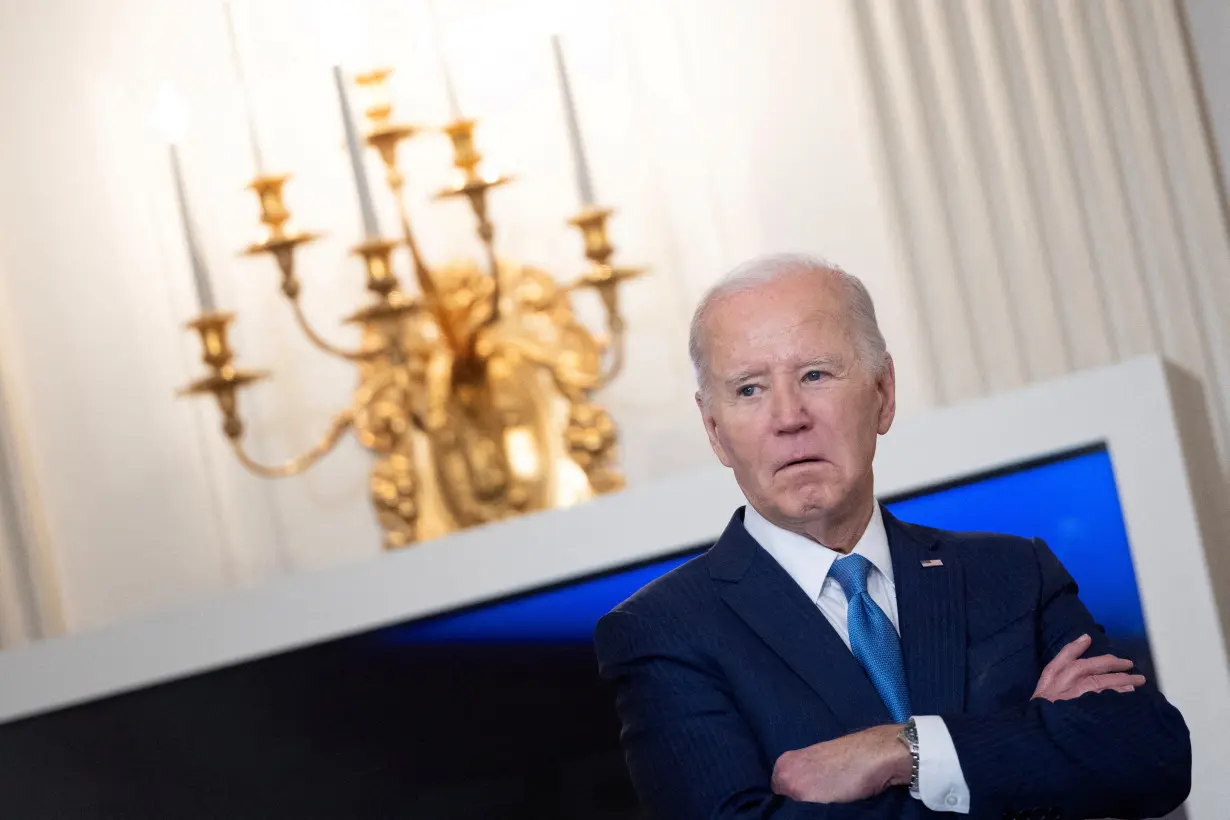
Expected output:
(825, 660)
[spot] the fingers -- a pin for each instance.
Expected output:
(1068, 675)
(1062, 660)
(1071, 652)
(783, 772)
(1097, 674)
(1100, 683)
(1101, 665)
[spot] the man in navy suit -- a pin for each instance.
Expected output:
(825, 660)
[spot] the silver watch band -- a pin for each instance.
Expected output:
(909, 736)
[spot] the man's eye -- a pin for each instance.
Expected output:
(814, 375)
(747, 390)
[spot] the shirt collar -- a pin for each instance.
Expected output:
(807, 561)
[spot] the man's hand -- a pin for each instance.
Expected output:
(1067, 676)
(850, 768)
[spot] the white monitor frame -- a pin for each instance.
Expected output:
(1149, 415)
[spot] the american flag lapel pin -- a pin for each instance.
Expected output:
(933, 562)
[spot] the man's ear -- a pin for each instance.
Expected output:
(711, 427)
(886, 387)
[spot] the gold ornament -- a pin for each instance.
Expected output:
(475, 394)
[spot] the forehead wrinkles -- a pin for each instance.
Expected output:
(738, 336)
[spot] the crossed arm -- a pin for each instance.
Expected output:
(866, 763)
(1108, 745)
(1107, 754)
(689, 751)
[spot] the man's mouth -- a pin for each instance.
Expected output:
(800, 461)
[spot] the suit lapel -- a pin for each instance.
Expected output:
(768, 600)
(931, 609)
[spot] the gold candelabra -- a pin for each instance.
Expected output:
(476, 393)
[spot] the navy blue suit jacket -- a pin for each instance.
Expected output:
(723, 664)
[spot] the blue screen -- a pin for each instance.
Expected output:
(1073, 505)
(1069, 501)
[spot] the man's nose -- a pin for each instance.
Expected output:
(789, 412)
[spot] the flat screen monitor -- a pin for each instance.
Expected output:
(494, 711)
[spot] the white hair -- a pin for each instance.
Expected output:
(759, 271)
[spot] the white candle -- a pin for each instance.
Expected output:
(370, 227)
(585, 186)
(200, 274)
(172, 117)
(450, 87)
(237, 58)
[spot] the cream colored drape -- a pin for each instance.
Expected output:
(1055, 191)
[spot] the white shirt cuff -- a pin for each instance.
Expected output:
(941, 783)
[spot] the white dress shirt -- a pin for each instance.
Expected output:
(941, 783)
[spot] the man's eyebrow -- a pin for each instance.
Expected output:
(743, 375)
(823, 361)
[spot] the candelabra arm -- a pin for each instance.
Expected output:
(474, 184)
(615, 363)
(486, 232)
(282, 246)
(342, 422)
(606, 279)
(299, 464)
(422, 274)
(324, 345)
(385, 137)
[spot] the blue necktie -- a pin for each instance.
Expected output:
(872, 636)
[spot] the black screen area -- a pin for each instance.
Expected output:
(352, 728)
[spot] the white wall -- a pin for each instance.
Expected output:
(1026, 188)
(717, 129)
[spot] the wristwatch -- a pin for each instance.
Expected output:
(909, 736)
